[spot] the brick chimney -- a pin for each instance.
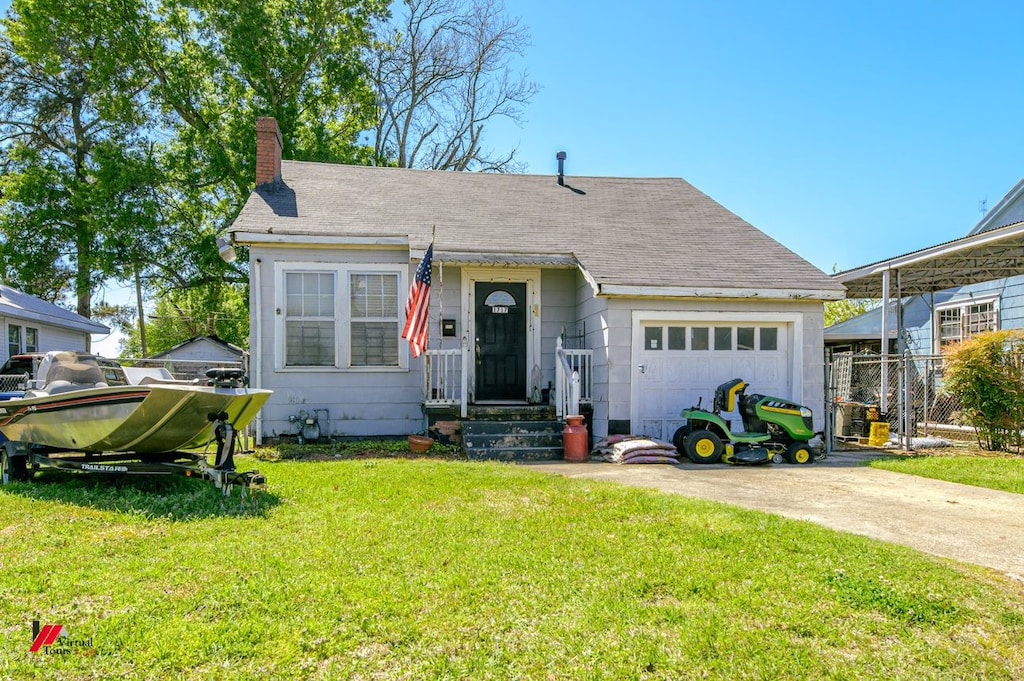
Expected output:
(268, 151)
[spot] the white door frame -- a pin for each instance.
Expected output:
(795, 320)
(528, 276)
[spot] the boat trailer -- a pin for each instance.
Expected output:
(20, 459)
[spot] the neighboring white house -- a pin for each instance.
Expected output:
(34, 325)
(190, 359)
(668, 292)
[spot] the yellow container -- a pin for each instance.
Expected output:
(879, 436)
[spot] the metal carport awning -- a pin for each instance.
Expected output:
(995, 254)
(987, 256)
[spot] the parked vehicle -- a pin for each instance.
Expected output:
(774, 429)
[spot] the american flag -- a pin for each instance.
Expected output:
(417, 308)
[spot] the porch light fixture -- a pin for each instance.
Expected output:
(225, 250)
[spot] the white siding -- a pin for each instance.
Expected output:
(557, 312)
(360, 402)
(808, 388)
(378, 401)
(50, 337)
(202, 349)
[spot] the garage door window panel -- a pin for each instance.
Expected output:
(699, 336)
(653, 338)
(723, 338)
(745, 338)
(677, 338)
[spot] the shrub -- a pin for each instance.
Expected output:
(985, 374)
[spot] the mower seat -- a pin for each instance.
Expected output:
(725, 394)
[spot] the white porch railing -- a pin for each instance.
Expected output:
(445, 382)
(574, 379)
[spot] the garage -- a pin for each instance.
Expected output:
(680, 360)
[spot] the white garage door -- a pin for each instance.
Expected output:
(678, 363)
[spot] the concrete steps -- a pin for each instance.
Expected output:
(512, 440)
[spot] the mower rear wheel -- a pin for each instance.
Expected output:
(679, 438)
(799, 453)
(703, 446)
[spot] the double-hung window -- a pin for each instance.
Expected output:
(13, 340)
(341, 316)
(310, 319)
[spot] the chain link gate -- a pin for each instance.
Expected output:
(904, 391)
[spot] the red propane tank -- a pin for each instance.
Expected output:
(574, 440)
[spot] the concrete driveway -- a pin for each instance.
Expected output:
(967, 524)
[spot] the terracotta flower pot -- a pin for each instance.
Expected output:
(419, 444)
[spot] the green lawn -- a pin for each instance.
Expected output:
(393, 569)
(997, 472)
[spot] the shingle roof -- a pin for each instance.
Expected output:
(20, 305)
(624, 232)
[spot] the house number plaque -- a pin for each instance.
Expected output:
(499, 309)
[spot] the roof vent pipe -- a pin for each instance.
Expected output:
(561, 168)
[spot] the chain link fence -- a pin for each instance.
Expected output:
(904, 392)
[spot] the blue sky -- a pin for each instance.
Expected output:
(850, 131)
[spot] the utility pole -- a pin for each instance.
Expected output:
(142, 320)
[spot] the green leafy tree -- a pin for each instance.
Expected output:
(77, 188)
(837, 311)
(220, 311)
(215, 66)
(126, 129)
(986, 375)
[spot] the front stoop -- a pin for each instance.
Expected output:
(505, 432)
(520, 440)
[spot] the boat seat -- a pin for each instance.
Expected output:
(61, 386)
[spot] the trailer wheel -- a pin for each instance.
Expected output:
(704, 446)
(12, 467)
(799, 453)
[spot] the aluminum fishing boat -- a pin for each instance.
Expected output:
(72, 407)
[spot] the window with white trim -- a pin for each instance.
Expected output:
(340, 316)
(310, 319)
(965, 320)
(13, 340)
(374, 319)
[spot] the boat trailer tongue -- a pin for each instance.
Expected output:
(222, 473)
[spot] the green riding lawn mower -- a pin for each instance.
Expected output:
(774, 429)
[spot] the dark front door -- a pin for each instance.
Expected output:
(500, 341)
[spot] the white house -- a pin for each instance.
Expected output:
(656, 292)
(34, 325)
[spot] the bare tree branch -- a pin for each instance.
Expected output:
(442, 71)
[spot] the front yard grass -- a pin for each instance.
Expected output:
(997, 472)
(433, 569)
